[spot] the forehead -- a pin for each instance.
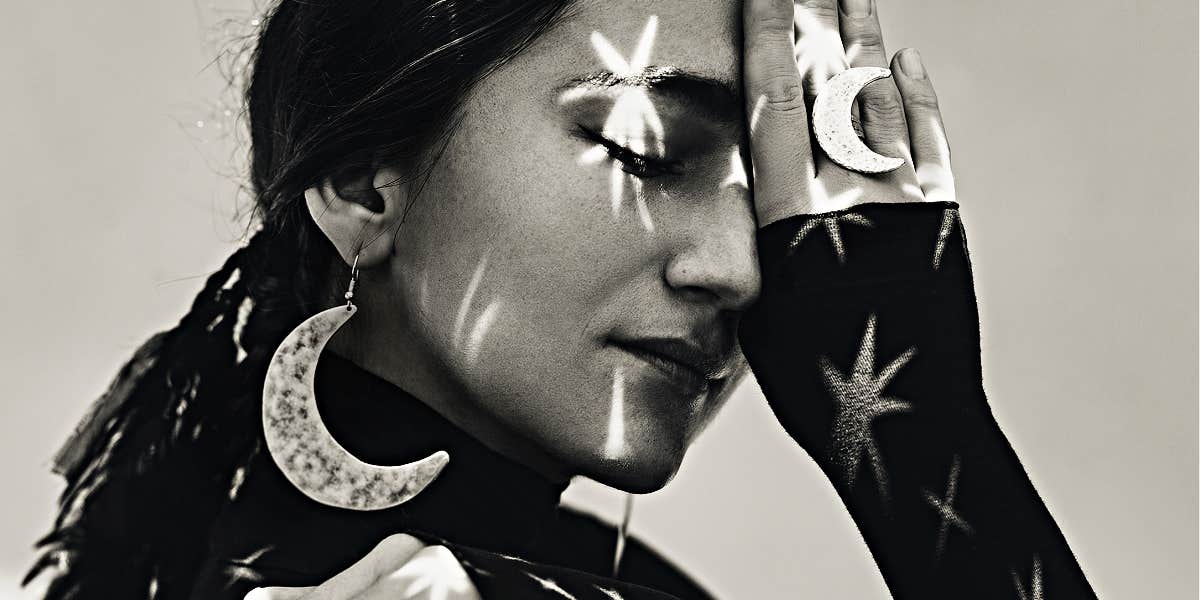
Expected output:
(701, 36)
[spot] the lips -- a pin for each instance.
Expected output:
(684, 363)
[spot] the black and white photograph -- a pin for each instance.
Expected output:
(600, 299)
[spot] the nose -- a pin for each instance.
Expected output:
(717, 260)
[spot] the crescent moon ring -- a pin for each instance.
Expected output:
(834, 129)
(300, 443)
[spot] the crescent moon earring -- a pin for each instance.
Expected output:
(300, 443)
(834, 130)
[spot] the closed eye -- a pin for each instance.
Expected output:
(634, 163)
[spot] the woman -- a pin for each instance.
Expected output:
(543, 215)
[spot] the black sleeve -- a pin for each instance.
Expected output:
(866, 344)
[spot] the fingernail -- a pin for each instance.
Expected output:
(910, 63)
(857, 8)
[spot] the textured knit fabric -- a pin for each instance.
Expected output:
(487, 509)
(866, 345)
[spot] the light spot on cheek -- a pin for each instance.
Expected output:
(639, 196)
(614, 447)
(423, 292)
(464, 307)
(469, 338)
(593, 155)
(479, 331)
(737, 172)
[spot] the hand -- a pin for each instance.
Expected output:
(399, 567)
(899, 115)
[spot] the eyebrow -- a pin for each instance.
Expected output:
(716, 99)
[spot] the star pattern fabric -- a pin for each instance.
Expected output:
(949, 218)
(945, 507)
(977, 529)
(859, 397)
(832, 229)
(952, 513)
(1034, 591)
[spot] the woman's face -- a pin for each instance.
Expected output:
(564, 296)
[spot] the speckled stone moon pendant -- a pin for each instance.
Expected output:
(835, 132)
(303, 448)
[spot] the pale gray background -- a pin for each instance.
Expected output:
(1074, 129)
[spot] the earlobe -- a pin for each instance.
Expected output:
(356, 213)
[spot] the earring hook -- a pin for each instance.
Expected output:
(353, 280)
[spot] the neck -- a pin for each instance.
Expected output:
(481, 499)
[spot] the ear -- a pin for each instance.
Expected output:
(359, 213)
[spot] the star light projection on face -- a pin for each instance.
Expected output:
(633, 127)
(627, 101)
(633, 122)
(470, 342)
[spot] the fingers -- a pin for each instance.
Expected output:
(861, 35)
(386, 557)
(881, 110)
(930, 150)
(776, 112)
(279, 593)
(818, 54)
(398, 567)
(431, 574)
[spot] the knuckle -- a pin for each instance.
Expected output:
(783, 93)
(397, 543)
(922, 99)
(867, 37)
(771, 15)
(936, 145)
(824, 10)
(769, 45)
(881, 108)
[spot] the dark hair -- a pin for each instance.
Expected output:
(336, 89)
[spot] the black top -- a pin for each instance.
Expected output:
(866, 344)
(482, 505)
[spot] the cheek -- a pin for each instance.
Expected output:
(511, 255)
(521, 269)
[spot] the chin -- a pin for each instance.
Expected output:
(644, 468)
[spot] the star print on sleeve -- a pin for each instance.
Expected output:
(833, 230)
(949, 217)
(951, 510)
(1034, 591)
(859, 398)
(612, 594)
(497, 575)
(945, 507)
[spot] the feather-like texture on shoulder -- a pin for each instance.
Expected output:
(99, 416)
